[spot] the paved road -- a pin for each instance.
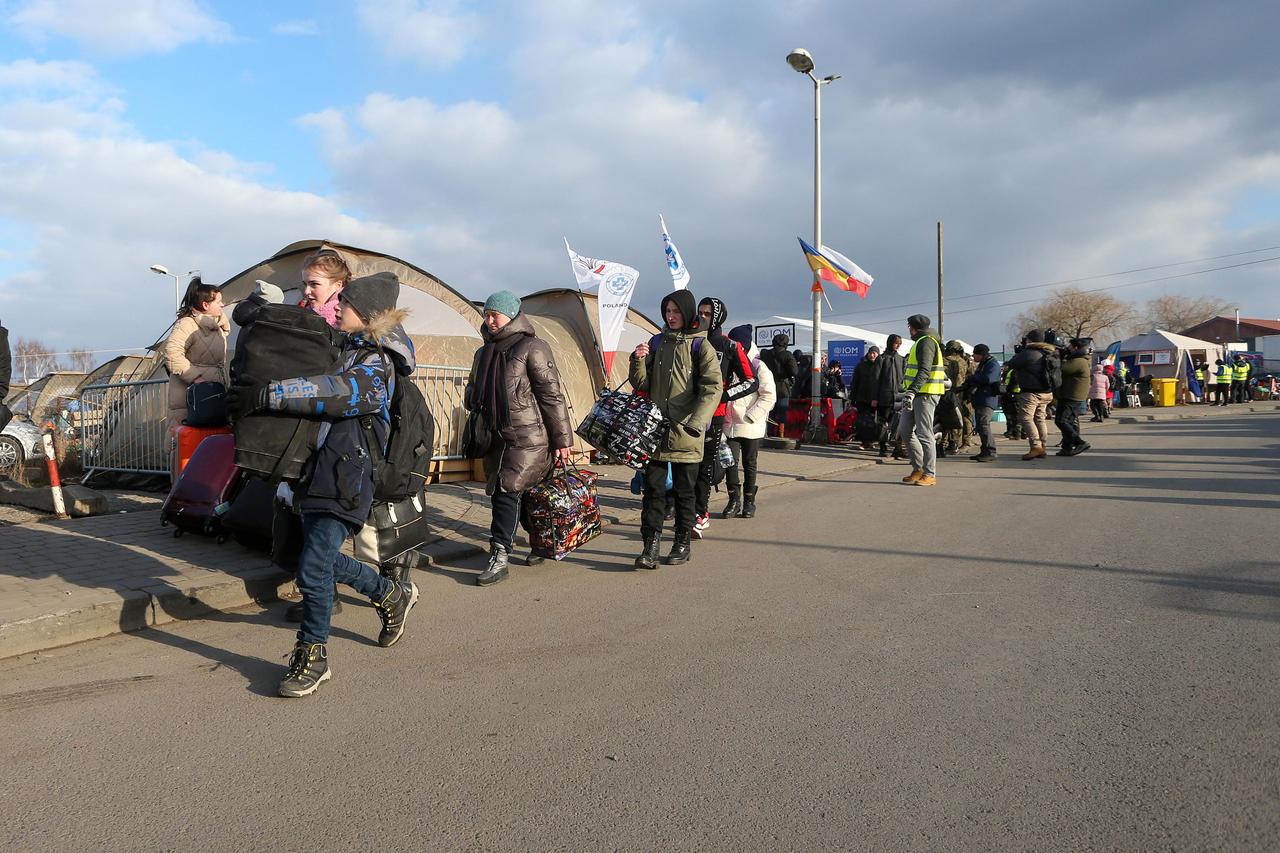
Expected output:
(1064, 654)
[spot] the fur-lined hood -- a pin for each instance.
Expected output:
(386, 330)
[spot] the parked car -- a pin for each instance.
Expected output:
(19, 441)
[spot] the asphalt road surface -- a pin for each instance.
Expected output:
(1065, 654)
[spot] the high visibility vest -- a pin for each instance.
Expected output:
(1241, 372)
(1224, 374)
(937, 373)
(1199, 374)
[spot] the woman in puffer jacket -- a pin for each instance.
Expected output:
(196, 350)
(744, 427)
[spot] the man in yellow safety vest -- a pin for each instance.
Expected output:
(923, 384)
(1240, 380)
(1224, 372)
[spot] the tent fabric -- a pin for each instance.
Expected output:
(122, 368)
(569, 321)
(1159, 340)
(46, 396)
(444, 324)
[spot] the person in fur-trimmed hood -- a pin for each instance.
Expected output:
(336, 491)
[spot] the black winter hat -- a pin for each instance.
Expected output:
(741, 334)
(1035, 336)
(372, 294)
(918, 321)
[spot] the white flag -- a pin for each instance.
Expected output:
(679, 272)
(614, 284)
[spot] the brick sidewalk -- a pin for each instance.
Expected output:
(64, 582)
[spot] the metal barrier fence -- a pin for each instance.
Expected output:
(443, 388)
(124, 427)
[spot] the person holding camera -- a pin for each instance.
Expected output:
(1037, 373)
(682, 378)
(1073, 391)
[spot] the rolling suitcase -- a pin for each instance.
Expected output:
(188, 438)
(204, 489)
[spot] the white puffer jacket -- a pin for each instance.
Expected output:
(748, 416)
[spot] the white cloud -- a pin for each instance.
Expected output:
(431, 34)
(304, 28)
(94, 204)
(122, 27)
(60, 75)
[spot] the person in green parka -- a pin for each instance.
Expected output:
(681, 375)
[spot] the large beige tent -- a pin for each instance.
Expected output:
(570, 322)
(443, 323)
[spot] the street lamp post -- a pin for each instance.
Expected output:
(802, 61)
(159, 269)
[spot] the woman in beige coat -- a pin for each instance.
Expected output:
(196, 350)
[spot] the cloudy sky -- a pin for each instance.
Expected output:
(1056, 141)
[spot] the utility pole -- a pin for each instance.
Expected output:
(941, 334)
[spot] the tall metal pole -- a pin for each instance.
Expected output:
(941, 334)
(177, 294)
(815, 406)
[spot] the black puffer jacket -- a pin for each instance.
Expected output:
(782, 364)
(1029, 367)
(534, 419)
(866, 381)
(893, 368)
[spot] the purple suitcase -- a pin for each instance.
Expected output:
(204, 489)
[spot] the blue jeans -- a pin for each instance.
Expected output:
(320, 565)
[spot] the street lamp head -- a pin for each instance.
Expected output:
(156, 268)
(800, 60)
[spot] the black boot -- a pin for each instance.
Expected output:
(749, 504)
(669, 508)
(497, 568)
(679, 549)
(734, 505)
(649, 557)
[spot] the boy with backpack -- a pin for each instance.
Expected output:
(336, 492)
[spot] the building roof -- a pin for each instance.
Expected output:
(1256, 322)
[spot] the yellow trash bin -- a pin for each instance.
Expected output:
(1165, 391)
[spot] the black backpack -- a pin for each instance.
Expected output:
(1051, 372)
(404, 469)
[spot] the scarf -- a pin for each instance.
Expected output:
(492, 395)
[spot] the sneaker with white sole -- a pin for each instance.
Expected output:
(308, 669)
(701, 524)
(393, 610)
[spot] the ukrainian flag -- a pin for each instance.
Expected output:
(830, 265)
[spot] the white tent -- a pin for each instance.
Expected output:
(1163, 355)
(839, 331)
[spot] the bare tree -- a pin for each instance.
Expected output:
(1075, 313)
(80, 360)
(32, 359)
(1175, 313)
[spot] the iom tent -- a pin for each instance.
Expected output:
(1163, 355)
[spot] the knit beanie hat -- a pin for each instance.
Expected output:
(1035, 336)
(372, 294)
(503, 302)
(741, 334)
(918, 321)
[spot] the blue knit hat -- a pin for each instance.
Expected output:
(503, 302)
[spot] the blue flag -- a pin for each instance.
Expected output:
(1193, 384)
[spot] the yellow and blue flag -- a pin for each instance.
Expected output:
(830, 265)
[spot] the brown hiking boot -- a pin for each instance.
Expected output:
(1033, 453)
(926, 480)
(913, 476)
